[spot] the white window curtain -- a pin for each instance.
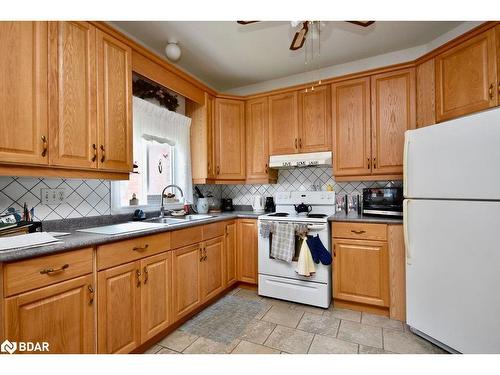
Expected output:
(154, 123)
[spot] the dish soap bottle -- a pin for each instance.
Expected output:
(134, 201)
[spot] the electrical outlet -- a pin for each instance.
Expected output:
(52, 197)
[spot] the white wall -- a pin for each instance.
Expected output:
(391, 58)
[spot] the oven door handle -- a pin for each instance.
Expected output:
(316, 226)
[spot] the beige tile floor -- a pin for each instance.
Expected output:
(286, 327)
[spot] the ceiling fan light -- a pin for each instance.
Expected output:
(173, 51)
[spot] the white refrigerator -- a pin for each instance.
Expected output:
(452, 232)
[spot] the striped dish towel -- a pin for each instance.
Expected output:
(283, 243)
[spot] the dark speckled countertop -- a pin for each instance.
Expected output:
(355, 217)
(78, 240)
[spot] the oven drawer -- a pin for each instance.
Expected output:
(355, 230)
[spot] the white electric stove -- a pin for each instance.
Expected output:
(278, 279)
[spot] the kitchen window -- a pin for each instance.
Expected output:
(162, 157)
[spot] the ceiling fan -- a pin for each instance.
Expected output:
(300, 36)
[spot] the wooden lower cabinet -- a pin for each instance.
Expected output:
(186, 267)
(156, 293)
(212, 268)
(60, 314)
(361, 272)
(230, 246)
(247, 251)
(119, 325)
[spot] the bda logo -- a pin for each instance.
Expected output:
(8, 347)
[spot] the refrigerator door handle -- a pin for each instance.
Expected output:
(405, 164)
(405, 231)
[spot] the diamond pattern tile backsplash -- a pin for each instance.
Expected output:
(83, 197)
(299, 179)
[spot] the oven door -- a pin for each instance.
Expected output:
(272, 267)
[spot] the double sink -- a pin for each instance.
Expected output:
(177, 220)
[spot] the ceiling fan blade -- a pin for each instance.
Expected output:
(361, 23)
(300, 37)
(246, 22)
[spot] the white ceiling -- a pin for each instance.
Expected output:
(227, 55)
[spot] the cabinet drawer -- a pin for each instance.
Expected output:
(363, 231)
(214, 230)
(187, 236)
(121, 252)
(39, 272)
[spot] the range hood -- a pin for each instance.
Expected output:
(312, 159)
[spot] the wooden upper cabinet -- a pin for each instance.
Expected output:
(283, 124)
(230, 139)
(497, 38)
(466, 79)
(426, 94)
(119, 323)
(61, 314)
(212, 268)
(114, 105)
(156, 298)
(393, 112)
(247, 251)
(230, 246)
(361, 272)
(23, 97)
(315, 124)
(257, 140)
(72, 84)
(351, 127)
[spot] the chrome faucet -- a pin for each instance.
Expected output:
(162, 207)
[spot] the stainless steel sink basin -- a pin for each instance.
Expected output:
(197, 217)
(166, 220)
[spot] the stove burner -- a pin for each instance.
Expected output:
(279, 214)
(316, 216)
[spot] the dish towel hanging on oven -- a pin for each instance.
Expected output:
(305, 263)
(283, 243)
(266, 228)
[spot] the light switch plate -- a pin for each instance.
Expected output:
(52, 197)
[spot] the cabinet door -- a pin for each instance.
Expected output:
(114, 105)
(156, 299)
(230, 139)
(186, 272)
(212, 268)
(393, 112)
(351, 127)
(283, 124)
(230, 246)
(119, 317)
(23, 97)
(72, 84)
(315, 121)
(60, 314)
(466, 77)
(247, 251)
(257, 130)
(426, 94)
(361, 271)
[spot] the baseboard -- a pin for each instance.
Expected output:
(378, 310)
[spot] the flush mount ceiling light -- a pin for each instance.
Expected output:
(172, 50)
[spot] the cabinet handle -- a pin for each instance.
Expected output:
(94, 147)
(44, 146)
(300, 142)
(201, 254)
(51, 271)
(103, 154)
(208, 168)
(205, 252)
(295, 142)
(374, 163)
(368, 162)
(146, 275)
(490, 91)
(218, 170)
(267, 168)
(139, 248)
(334, 252)
(499, 87)
(138, 274)
(358, 231)
(91, 294)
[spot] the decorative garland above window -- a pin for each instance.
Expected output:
(146, 90)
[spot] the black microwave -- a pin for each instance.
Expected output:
(383, 201)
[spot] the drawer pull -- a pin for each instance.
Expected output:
(358, 231)
(146, 275)
(51, 271)
(91, 294)
(139, 248)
